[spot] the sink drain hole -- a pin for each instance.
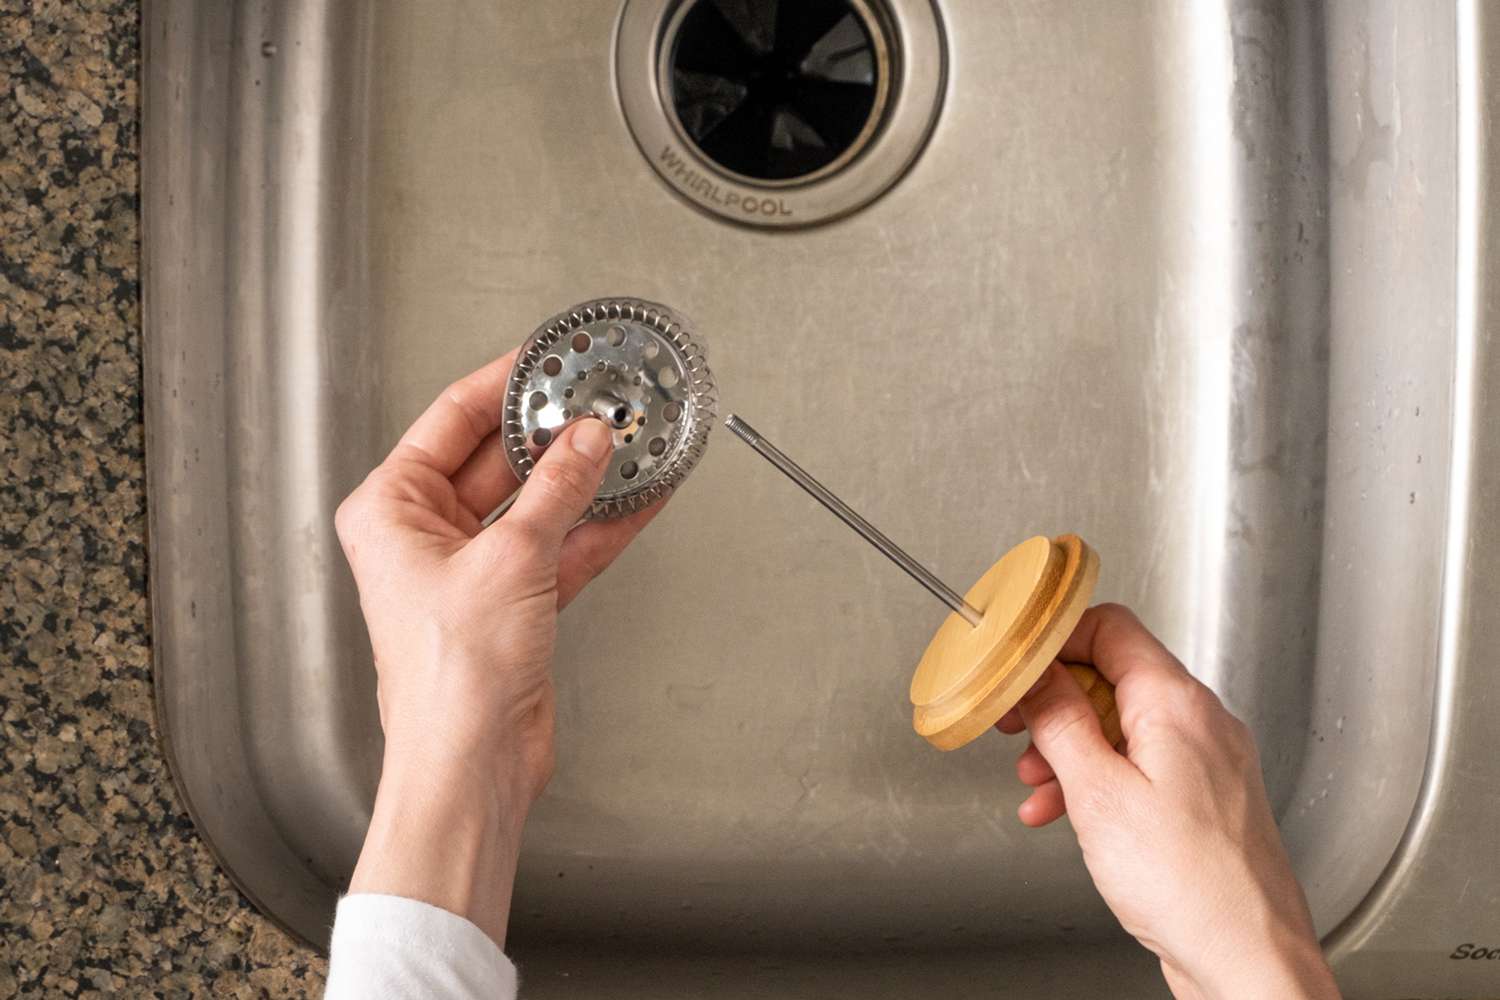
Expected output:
(777, 90)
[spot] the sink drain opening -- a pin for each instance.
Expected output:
(780, 113)
(781, 89)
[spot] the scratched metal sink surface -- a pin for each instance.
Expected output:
(1188, 279)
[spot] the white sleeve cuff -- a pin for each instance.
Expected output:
(390, 946)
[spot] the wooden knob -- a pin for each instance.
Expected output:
(1030, 601)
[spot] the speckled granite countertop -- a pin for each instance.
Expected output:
(105, 887)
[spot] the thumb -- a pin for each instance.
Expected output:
(563, 483)
(1066, 730)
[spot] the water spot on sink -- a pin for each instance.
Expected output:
(1376, 141)
(689, 697)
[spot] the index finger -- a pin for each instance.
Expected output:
(452, 428)
(1113, 640)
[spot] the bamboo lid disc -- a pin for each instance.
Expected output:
(958, 657)
(1030, 602)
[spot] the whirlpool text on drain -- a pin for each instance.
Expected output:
(707, 190)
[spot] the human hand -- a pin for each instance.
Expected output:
(463, 622)
(1176, 831)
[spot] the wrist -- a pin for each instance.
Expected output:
(445, 830)
(424, 753)
(1282, 963)
(456, 727)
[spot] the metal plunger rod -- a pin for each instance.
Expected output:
(845, 513)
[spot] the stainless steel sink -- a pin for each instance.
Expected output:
(1204, 282)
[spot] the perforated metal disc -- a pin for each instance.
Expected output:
(635, 365)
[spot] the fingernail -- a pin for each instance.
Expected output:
(592, 440)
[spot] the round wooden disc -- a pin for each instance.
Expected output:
(958, 655)
(970, 676)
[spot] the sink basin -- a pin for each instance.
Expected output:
(1200, 282)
